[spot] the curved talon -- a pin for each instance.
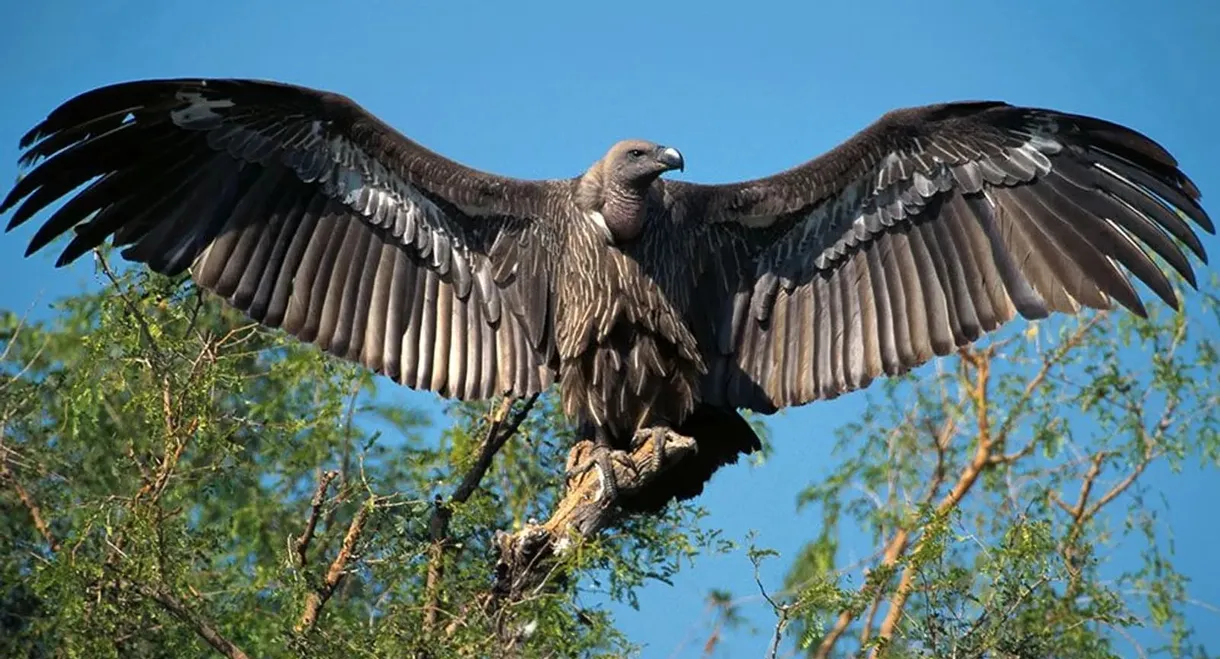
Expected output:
(666, 446)
(621, 471)
(602, 458)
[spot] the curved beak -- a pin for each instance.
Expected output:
(671, 158)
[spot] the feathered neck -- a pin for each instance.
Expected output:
(620, 207)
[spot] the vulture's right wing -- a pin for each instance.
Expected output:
(924, 231)
(307, 213)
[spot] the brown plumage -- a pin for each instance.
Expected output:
(653, 302)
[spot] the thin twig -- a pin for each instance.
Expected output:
(31, 506)
(131, 306)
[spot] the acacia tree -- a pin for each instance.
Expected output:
(175, 478)
(996, 483)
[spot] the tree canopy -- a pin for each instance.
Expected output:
(175, 480)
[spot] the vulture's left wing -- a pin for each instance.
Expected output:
(308, 213)
(924, 231)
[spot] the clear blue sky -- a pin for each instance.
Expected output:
(742, 88)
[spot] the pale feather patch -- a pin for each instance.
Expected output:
(199, 110)
(894, 192)
(599, 221)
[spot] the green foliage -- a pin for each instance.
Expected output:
(161, 458)
(172, 451)
(997, 484)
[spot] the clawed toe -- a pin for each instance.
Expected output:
(667, 446)
(616, 471)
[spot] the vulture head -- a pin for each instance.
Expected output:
(638, 163)
(615, 188)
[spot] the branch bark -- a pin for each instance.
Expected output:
(31, 506)
(202, 627)
(315, 511)
(27, 500)
(334, 575)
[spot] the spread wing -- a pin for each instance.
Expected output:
(926, 230)
(307, 213)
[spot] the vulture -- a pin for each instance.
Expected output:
(652, 303)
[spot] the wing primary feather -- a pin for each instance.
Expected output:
(162, 174)
(309, 283)
(373, 343)
(522, 376)
(339, 285)
(838, 334)
(962, 320)
(940, 319)
(290, 298)
(428, 334)
(202, 191)
(247, 223)
(779, 343)
(400, 304)
(475, 327)
(356, 309)
(1039, 257)
(887, 320)
(289, 215)
(1145, 227)
(869, 324)
(987, 290)
(1153, 188)
(911, 276)
(264, 257)
(803, 324)
(821, 306)
(117, 149)
(455, 359)
(1095, 264)
(1139, 201)
(1023, 297)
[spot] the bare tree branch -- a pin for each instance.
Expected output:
(202, 627)
(315, 600)
(981, 362)
(27, 500)
(315, 511)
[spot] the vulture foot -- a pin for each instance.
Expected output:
(652, 450)
(667, 448)
(616, 471)
(527, 557)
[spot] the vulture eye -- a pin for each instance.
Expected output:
(636, 153)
